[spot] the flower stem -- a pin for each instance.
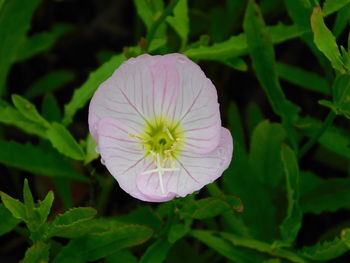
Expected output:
(307, 146)
(167, 11)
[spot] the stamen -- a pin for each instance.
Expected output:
(136, 137)
(168, 133)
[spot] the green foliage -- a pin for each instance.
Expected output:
(284, 89)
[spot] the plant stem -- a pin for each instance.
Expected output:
(307, 146)
(167, 11)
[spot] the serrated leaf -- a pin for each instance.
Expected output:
(292, 222)
(261, 50)
(17, 209)
(157, 252)
(331, 6)
(8, 221)
(70, 221)
(327, 250)
(180, 20)
(27, 195)
(28, 110)
(39, 252)
(35, 160)
(325, 41)
(84, 93)
(64, 142)
(11, 116)
(13, 33)
(48, 83)
(95, 246)
(306, 79)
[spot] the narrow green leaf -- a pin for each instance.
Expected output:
(236, 46)
(263, 58)
(341, 94)
(305, 79)
(83, 94)
(90, 150)
(50, 82)
(235, 124)
(17, 208)
(27, 195)
(235, 63)
(39, 252)
(331, 6)
(145, 10)
(13, 33)
(262, 247)
(64, 142)
(35, 160)
(44, 206)
(51, 109)
(292, 222)
(95, 246)
(157, 252)
(327, 250)
(323, 195)
(176, 232)
(254, 116)
(180, 21)
(8, 221)
(341, 21)
(70, 221)
(264, 152)
(28, 110)
(325, 41)
(11, 116)
(225, 248)
(300, 12)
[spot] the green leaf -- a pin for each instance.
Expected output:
(323, 195)
(235, 124)
(235, 63)
(180, 21)
(95, 246)
(225, 248)
(83, 94)
(329, 249)
(50, 108)
(331, 6)
(236, 46)
(300, 12)
(64, 142)
(262, 53)
(176, 232)
(39, 252)
(70, 221)
(27, 196)
(13, 33)
(11, 116)
(35, 160)
(90, 150)
(262, 247)
(148, 11)
(254, 116)
(341, 94)
(17, 209)
(8, 221)
(50, 82)
(264, 153)
(157, 252)
(28, 110)
(325, 41)
(44, 206)
(305, 79)
(341, 21)
(292, 223)
(212, 206)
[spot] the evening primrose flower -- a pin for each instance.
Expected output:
(157, 125)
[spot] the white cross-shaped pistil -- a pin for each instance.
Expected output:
(160, 170)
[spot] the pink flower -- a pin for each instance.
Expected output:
(157, 125)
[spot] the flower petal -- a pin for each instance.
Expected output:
(195, 171)
(172, 87)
